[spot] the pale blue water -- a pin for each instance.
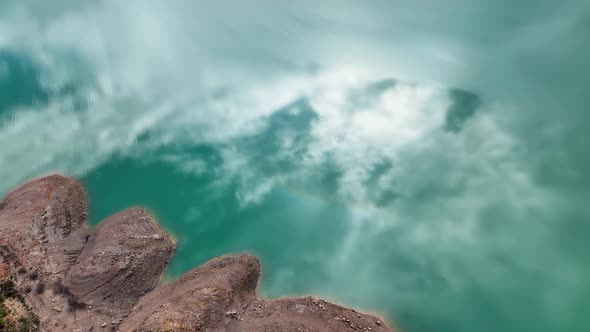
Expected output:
(425, 160)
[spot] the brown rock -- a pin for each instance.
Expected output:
(44, 223)
(282, 315)
(116, 271)
(200, 298)
(123, 260)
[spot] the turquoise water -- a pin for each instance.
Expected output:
(424, 160)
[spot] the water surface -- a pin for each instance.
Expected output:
(425, 160)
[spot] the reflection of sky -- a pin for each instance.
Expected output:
(425, 160)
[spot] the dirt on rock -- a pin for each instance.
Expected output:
(66, 277)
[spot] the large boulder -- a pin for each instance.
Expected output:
(122, 261)
(44, 223)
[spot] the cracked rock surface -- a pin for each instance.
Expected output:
(68, 277)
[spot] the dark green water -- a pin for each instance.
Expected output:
(426, 160)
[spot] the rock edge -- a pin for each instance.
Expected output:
(59, 275)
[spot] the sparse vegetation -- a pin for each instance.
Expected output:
(33, 275)
(74, 305)
(40, 288)
(7, 290)
(2, 314)
(58, 287)
(15, 314)
(9, 256)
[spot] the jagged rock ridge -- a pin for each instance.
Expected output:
(62, 276)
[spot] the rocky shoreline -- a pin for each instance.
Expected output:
(57, 274)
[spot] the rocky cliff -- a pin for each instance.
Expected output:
(56, 274)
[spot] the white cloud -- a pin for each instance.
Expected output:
(358, 138)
